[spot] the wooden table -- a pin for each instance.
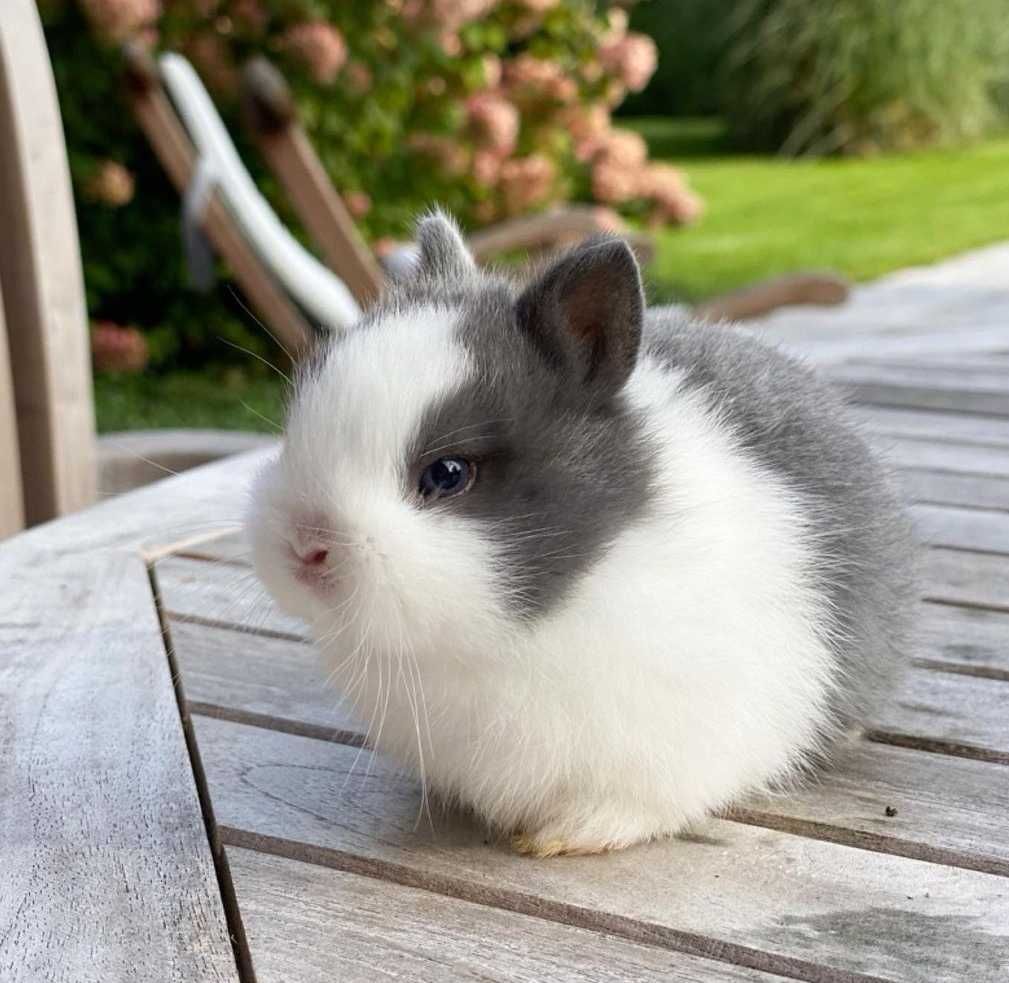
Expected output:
(181, 797)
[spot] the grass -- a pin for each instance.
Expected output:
(861, 217)
(765, 216)
(228, 399)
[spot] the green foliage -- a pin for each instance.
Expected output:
(385, 89)
(692, 36)
(856, 76)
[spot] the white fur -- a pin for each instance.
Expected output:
(689, 665)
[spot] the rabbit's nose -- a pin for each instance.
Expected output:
(312, 556)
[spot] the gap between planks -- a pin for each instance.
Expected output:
(236, 931)
(507, 899)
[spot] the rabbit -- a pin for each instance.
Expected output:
(592, 572)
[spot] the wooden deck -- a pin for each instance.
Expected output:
(140, 843)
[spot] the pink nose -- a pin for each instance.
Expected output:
(313, 557)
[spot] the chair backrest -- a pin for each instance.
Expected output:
(42, 281)
(316, 289)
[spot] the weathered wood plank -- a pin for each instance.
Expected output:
(258, 679)
(232, 548)
(40, 266)
(762, 898)
(949, 488)
(950, 710)
(107, 870)
(220, 593)
(968, 428)
(910, 452)
(928, 388)
(959, 577)
(973, 638)
(897, 800)
(965, 529)
(12, 510)
(190, 508)
(315, 925)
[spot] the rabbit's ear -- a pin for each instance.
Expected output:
(584, 314)
(443, 253)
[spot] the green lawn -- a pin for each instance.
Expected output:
(228, 399)
(864, 218)
(765, 215)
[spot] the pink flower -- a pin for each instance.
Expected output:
(612, 183)
(358, 203)
(608, 220)
(112, 184)
(449, 155)
(532, 79)
(319, 46)
(115, 348)
(494, 120)
(587, 125)
(526, 182)
(632, 59)
(667, 187)
(116, 20)
(450, 15)
(622, 148)
(451, 44)
(486, 167)
(358, 77)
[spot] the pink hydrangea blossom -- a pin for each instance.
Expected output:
(450, 15)
(526, 182)
(117, 348)
(319, 46)
(532, 79)
(494, 120)
(632, 59)
(111, 184)
(667, 187)
(621, 148)
(448, 155)
(358, 77)
(358, 203)
(116, 20)
(486, 167)
(613, 183)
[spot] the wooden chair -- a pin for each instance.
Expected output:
(47, 431)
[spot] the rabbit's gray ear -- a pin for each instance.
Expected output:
(443, 253)
(584, 314)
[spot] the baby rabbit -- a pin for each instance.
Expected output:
(593, 572)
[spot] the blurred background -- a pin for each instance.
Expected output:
(748, 137)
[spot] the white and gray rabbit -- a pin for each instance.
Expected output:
(593, 572)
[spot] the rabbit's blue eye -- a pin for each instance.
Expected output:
(446, 477)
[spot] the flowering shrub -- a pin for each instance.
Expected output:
(489, 107)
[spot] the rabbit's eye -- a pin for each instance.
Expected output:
(446, 477)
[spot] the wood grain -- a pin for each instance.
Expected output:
(959, 577)
(43, 287)
(971, 638)
(761, 898)
(107, 870)
(950, 488)
(968, 428)
(983, 530)
(315, 925)
(222, 594)
(950, 711)
(901, 801)
(938, 388)
(12, 510)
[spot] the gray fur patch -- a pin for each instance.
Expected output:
(558, 478)
(794, 424)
